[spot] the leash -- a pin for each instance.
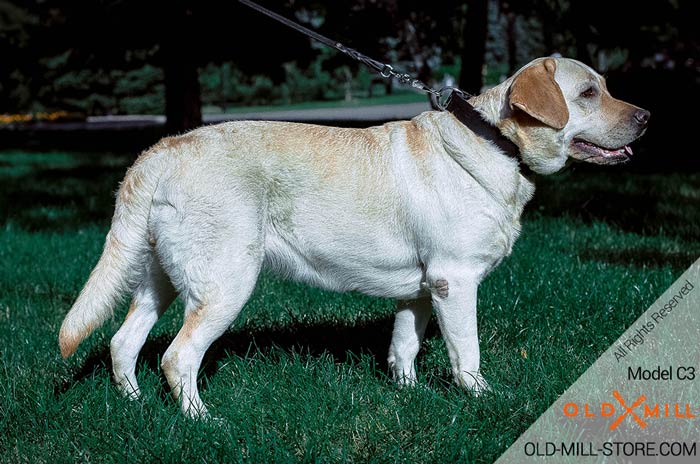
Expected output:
(451, 99)
(386, 70)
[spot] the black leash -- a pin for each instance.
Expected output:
(449, 99)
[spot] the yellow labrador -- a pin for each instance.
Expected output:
(416, 210)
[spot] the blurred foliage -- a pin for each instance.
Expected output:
(16, 27)
(225, 84)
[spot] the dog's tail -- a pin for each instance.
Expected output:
(122, 263)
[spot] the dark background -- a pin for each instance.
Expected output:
(112, 57)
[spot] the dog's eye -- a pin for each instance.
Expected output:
(589, 92)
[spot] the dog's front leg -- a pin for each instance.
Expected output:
(456, 312)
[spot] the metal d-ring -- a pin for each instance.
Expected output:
(443, 96)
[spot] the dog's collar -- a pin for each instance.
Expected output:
(470, 117)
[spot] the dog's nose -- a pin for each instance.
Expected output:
(642, 117)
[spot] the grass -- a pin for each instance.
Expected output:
(399, 97)
(302, 374)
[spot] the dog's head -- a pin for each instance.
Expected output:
(558, 109)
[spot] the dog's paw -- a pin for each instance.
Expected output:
(405, 381)
(197, 413)
(402, 377)
(129, 390)
(474, 382)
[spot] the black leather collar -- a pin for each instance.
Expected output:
(467, 115)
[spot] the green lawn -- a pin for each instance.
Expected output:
(302, 374)
(399, 97)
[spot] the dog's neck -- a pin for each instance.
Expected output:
(499, 175)
(481, 114)
(474, 120)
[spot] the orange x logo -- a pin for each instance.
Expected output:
(628, 410)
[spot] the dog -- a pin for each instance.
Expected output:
(420, 211)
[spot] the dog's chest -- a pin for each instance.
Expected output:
(509, 227)
(481, 227)
(504, 231)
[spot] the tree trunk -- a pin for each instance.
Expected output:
(183, 105)
(474, 51)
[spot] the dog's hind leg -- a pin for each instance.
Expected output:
(412, 317)
(151, 298)
(213, 258)
(229, 282)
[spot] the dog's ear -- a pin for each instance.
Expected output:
(536, 92)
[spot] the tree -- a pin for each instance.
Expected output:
(474, 48)
(16, 28)
(183, 105)
(179, 36)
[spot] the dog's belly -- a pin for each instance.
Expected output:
(347, 262)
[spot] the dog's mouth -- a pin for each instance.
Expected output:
(592, 153)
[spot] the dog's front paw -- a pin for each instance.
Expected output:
(473, 381)
(404, 380)
(404, 377)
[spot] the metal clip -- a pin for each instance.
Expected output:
(387, 71)
(442, 96)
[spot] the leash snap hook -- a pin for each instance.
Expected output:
(387, 71)
(443, 96)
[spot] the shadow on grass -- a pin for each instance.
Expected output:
(346, 344)
(655, 204)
